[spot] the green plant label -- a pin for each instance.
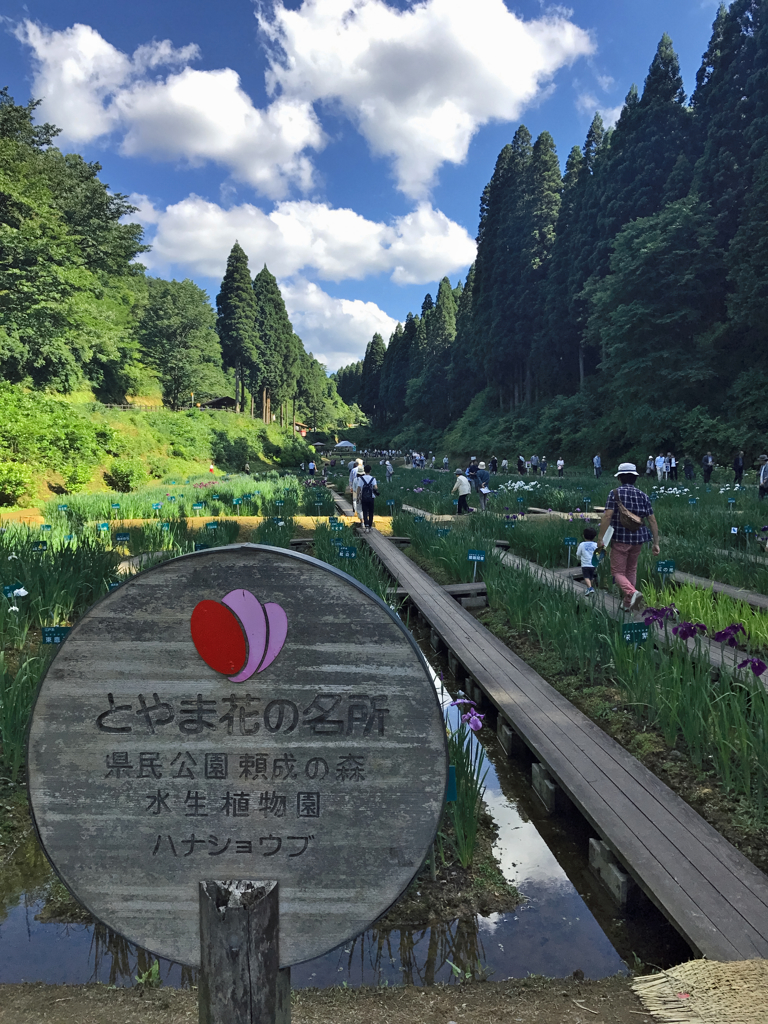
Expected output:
(337, 526)
(731, 501)
(634, 632)
(9, 588)
(337, 541)
(115, 504)
(63, 508)
(586, 500)
(748, 529)
(39, 545)
(509, 526)
(113, 586)
(103, 526)
(70, 536)
(665, 566)
(165, 526)
(347, 552)
(54, 634)
(443, 532)
(692, 501)
(237, 501)
(520, 501)
(451, 792)
(570, 542)
(122, 538)
(202, 547)
(156, 505)
(211, 526)
(279, 504)
(475, 556)
(45, 527)
(215, 497)
(419, 519)
(197, 506)
(390, 502)
(172, 498)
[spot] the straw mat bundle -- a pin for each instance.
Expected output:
(707, 992)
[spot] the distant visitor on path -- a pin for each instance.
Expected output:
(543, 465)
(312, 468)
(482, 481)
(462, 488)
(625, 510)
(560, 466)
(762, 476)
(707, 464)
(659, 467)
(738, 468)
(389, 468)
(368, 489)
(650, 466)
(445, 463)
(505, 465)
(521, 465)
(494, 465)
(534, 464)
(672, 466)
(598, 466)
(247, 468)
(688, 469)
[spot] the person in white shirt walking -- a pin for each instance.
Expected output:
(462, 488)
(389, 469)
(584, 553)
(560, 467)
(659, 467)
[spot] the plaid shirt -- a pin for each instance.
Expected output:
(634, 500)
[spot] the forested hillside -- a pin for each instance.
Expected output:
(78, 313)
(624, 300)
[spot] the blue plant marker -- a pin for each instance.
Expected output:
(69, 536)
(9, 588)
(520, 501)
(390, 501)
(337, 526)
(215, 497)
(39, 545)
(201, 547)
(113, 586)
(419, 519)
(172, 497)
(279, 504)
(165, 526)
(54, 634)
(237, 501)
(692, 501)
(475, 557)
(443, 532)
(157, 505)
(45, 527)
(115, 504)
(570, 542)
(63, 508)
(211, 526)
(347, 552)
(197, 506)
(122, 538)
(103, 527)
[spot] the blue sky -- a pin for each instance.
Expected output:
(344, 144)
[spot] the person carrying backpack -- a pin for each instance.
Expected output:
(367, 488)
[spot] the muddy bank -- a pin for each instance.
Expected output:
(532, 1000)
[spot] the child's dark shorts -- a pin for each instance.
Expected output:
(589, 572)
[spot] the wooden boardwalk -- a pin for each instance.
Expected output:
(713, 895)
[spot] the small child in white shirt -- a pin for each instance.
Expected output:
(584, 552)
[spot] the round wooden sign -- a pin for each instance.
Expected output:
(239, 713)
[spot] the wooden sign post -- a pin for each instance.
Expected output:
(248, 714)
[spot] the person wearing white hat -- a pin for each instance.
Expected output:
(462, 488)
(482, 482)
(626, 510)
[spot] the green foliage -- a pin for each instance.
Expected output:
(150, 978)
(466, 754)
(15, 482)
(126, 475)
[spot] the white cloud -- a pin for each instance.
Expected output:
(336, 331)
(419, 82)
(587, 103)
(336, 244)
(90, 89)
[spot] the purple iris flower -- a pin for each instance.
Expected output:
(461, 700)
(757, 666)
(688, 630)
(729, 634)
(474, 720)
(660, 615)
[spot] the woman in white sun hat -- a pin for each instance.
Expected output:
(626, 510)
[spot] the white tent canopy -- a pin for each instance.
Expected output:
(346, 445)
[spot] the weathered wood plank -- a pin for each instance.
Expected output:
(715, 897)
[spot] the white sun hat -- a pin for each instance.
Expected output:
(627, 467)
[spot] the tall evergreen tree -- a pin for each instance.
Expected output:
(371, 381)
(236, 320)
(276, 370)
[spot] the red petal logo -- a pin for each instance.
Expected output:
(238, 637)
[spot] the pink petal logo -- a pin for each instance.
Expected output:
(238, 637)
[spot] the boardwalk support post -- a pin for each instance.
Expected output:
(240, 977)
(508, 738)
(603, 864)
(544, 787)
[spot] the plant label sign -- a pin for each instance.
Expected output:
(103, 527)
(46, 527)
(211, 526)
(337, 526)
(39, 545)
(570, 542)
(9, 588)
(419, 519)
(692, 501)
(197, 506)
(197, 724)
(156, 505)
(443, 531)
(201, 547)
(475, 556)
(347, 552)
(390, 502)
(215, 497)
(54, 634)
(115, 505)
(634, 632)
(62, 508)
(734, 529)
(279, 504)
(165, 526)
(665, 567)
(731, 501)
(122, 538)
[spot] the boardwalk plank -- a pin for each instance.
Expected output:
(714, 896)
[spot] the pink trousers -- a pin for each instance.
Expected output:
(624, 566)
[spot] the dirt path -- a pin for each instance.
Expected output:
(530, 1001)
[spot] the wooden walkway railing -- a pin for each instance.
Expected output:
(712, 894)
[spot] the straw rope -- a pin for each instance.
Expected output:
(707, 992)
